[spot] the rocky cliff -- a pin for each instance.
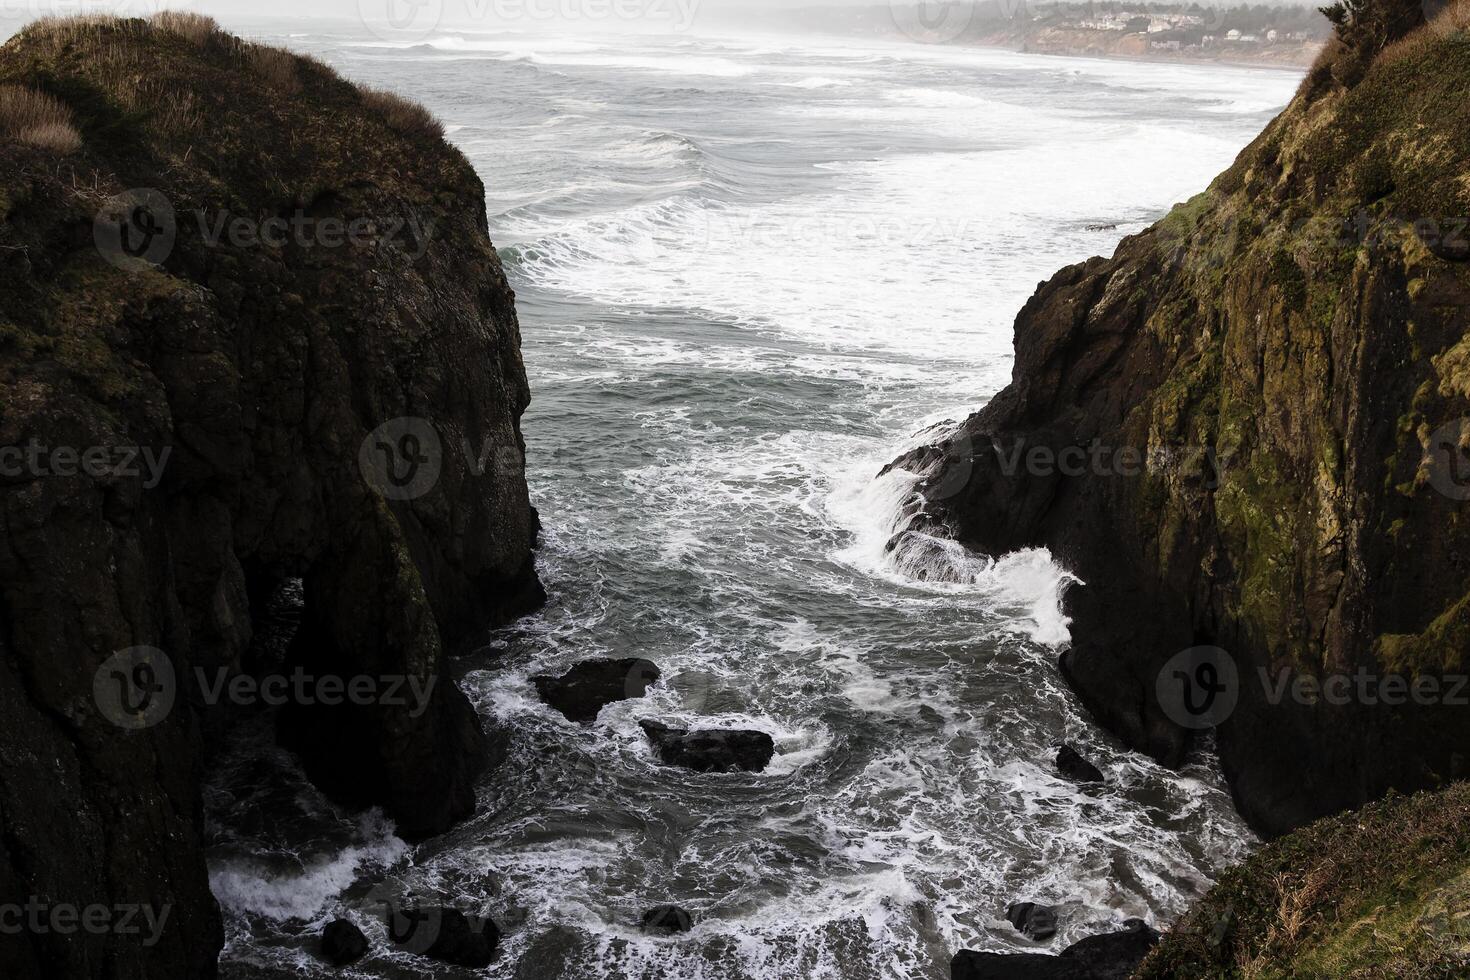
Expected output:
(252, 331)
(1246, 433)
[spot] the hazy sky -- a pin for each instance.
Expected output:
(415, 20)
(407, 11)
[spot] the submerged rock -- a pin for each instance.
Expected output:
(445, 934)
(1110, 956)
(591, 685)
(1071, 764)
(667, 920)
(1034, 921)
(711, 749)
(343, 943)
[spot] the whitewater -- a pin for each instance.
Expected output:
(749, 273)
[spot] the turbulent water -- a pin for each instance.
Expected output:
(749, 272)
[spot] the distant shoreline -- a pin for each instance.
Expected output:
(1161, 59)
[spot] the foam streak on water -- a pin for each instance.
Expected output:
(748, 272)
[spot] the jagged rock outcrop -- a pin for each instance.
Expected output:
(1246, 430)
(304, 325)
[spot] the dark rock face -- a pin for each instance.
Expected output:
(970, 965)
(711, 750)
(1246, 430)
(1111, 956)
(1071, 764)
(667, 920)
(592, 685)
(1034, 921)
(264, 379)
(445, 934)
(343, 943)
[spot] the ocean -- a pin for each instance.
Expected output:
(750, 271)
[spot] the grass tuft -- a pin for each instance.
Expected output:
(38, 119)
(275, 66)
(402, 115)
(197, 29)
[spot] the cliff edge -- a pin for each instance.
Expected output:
(252, 331)
(1246, 432)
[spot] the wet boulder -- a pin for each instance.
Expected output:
(343, 943)
(591, 685)
(666, 920)
(970, 965)
(445, 934)
(1033, 921)
(1110, 956)
(1114, 955)
(1072, 765)
(712, 749)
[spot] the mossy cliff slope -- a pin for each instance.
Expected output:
(255, 365)
(1268, 388)
(1379, 894)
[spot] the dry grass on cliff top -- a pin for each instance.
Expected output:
(1383, 892)
(167, 90)
(33, 117)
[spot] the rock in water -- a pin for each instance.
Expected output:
(667, 920)
(970, 965)
(711, 749)
(1035, 921)
(445, 934)
(343, 943)
(591, 685)
(279, 401)
(1071, 764)
(1111, 956)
